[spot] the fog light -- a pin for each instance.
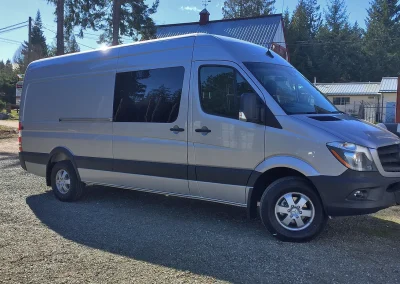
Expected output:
(360, 194)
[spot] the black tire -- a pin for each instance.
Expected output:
(274, 192)
(75, 190)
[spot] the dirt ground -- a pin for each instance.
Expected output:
(122, 236)
(9, 123)
(9, 145)
(8, 129)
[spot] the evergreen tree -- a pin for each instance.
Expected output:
(382, 38)
(336, 16)
(117, 18)
(314, 17)
(337, 51)
(71, 45)
(356, 61)
(38, 40)
(38, 49)
(301, 32)
(286, 19)
(339, 46)
(247, 8)
(53, 49)
(8, 79)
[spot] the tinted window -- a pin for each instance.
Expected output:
(294, 93)
(148, 95)
(221, 89)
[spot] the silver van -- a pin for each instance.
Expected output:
(205, 117)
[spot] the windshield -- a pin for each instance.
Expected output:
(294, 93)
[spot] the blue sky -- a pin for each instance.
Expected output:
(169, 12)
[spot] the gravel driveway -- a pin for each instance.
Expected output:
(121, 236)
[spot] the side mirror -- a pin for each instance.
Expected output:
(250, 108)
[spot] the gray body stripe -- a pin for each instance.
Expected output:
(220, 175)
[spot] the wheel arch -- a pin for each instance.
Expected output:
(59, 154)
(271, 170)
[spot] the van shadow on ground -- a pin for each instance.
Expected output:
(5, 156)
(216, 240)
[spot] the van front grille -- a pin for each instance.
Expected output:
(390, 158)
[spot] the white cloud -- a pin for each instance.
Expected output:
(190, 8)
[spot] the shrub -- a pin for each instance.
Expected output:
(2, 105)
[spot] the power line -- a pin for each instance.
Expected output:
(85, 45)
(3, 41)
(84, 33)
(123, 37)
(66, 41)
(90, 34)
(50, 26)
(9, 30)
(2, 38)
(49, 30)
(13, 25)
(319, 42)
(88, 37)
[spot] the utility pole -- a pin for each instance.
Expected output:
(116, 21)
(29, 39)
(60, 27)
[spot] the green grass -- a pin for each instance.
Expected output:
(14, 115)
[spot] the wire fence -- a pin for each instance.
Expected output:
(371, 112)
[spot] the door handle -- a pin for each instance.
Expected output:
(176, 129)
(204, 129)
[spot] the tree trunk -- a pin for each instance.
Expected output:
(115, 21)
(60, 27)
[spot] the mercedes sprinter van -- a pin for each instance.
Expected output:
(205, 117)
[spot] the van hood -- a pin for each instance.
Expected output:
(352, 130)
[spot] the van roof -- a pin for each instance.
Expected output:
(197, 46)
(124, 45)
(138, 43)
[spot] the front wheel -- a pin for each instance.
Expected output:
(291, 210)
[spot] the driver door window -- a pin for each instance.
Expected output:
(221, 91)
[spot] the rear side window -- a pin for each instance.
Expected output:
(148, 95)
(221, 88)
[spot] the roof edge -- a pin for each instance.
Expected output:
(353, 94)
(348, 83)
(218, 21)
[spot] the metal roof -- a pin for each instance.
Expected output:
(258, 30)
(350, 89)
(389, 85)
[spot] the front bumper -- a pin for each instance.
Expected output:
(338, 192)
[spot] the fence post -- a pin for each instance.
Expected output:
(397, 106)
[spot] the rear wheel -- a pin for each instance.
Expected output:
(291, 210)
(65, 183)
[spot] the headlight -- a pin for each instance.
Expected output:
(352, 156)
